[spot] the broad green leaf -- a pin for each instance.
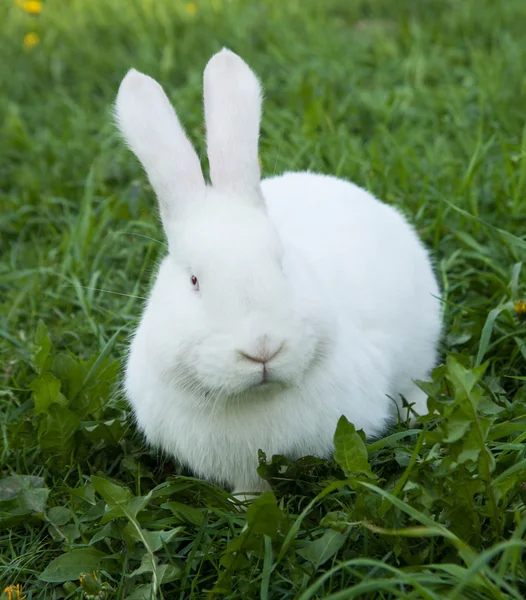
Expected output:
(71, 532)
(70, 372)
(324, 548)
(469, 455)
(152, 540)
(113, 494)
(33, 499)
(93, 513)
(59, 515)
(69, 566)
(111, 431)
(43, 346)
(157, 539)
(57, 431)
(350, 451)
(119, 500)
(11, 486)
(166, 573)
(456, 429)
(488, 407)
(146, 566)
(136, 504)
(184, 513)
(131, 534)
(264, 516)
(110, 530)
(21, 496)
(463, 379)
(143, 592)
(129, 509)
(46, 391)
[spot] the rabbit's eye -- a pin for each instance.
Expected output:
(195, 282)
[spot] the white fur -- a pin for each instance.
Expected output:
(333, 282)
(149, 124)
(232, 96)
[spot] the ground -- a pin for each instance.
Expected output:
(424, 104)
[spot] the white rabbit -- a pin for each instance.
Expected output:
(281, 305)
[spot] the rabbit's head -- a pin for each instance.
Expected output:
(226, 318)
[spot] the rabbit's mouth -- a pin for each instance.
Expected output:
(268, 381)
(265, 376)
(264, 383)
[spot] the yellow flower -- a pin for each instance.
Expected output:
(14, 592)
(520, 309)
(191, 8)
(31, 39)
(33, 7)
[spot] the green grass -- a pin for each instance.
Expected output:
(423, 103)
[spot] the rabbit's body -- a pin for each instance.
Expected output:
(313, 300)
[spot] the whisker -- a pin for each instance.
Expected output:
(142, 235)
(95, 289)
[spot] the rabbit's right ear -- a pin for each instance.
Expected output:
(232, 96)
(152, 130)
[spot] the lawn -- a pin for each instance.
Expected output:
(424, 104)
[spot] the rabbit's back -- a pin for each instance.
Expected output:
(378, 277)
(355, 244)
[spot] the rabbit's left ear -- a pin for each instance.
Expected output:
(151, 128)
(232, 97)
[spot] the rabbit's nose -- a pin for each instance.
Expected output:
(263, 356)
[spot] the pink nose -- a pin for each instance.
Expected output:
(262, 357)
